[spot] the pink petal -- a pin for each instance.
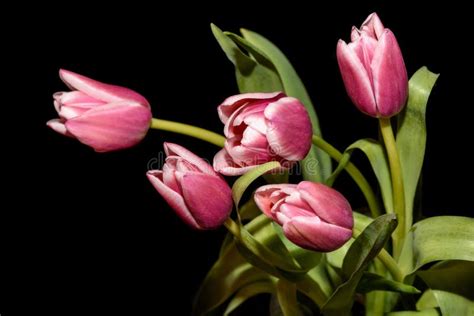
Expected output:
(177, 150)
(77, 98)
(356, 79)
(247, 156)
(330, 205)
(389, 75)
(224, 164)
(169, 178)
(111, 127)
(209, 198)
(289, 128)
(57, 125)
(102, 91)
(373, 26)
(257, 122)
(234, 102)
(293, 211)
(263, 196)
(175, 200)
(355, 34)
(314, 234)
(253, 138)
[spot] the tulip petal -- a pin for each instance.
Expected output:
(246, 156)
(234, 102)
(264, 196)
(174, 199)
(253, 138)
(330, 205)
(389, 75)
(209, 198)
(172, 149)
(224, 164)
(102, 91)
(356, 79)
(314, 234)
(289, 129)
(111, 127)
(57, 125)
(373, 26)
(169, 178)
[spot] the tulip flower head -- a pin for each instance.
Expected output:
(199, 195)
(262, 127)
(102, 116)
(373, 69)
(313, 216)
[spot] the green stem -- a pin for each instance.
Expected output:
(233, 228)
(355, 173)
(189, 130)
(397, 183)
(386, 259)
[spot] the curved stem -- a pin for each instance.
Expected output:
(355, 173)
(397, 183)
(189, 130)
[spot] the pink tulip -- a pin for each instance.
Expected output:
(262, 127)
(102, 116)
(373, 70)
(312, 215)
(199, 195)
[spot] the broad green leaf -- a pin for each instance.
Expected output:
(317, 165)
(427, 301)
(378, 160)
(249, 210)
(453, 305)
(425, 312)
(230, 273)
(249, 291)
(251, 75)
(364, 249)
(242, 183)
(286, 294)
(451, 276)
(335, 258)
(435, 239)
(411, 135)
(373, 282)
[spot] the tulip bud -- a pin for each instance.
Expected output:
(262, 127)
(102, 116)
(373, 70)
(313, 216)
(199, 195)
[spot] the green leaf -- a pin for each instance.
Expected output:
(374, 282)
(317, 165)
(452, 304)
(249, 291)
(378, 160)
(251, 75)
(242, 183)
(411, 135)
(362, 251)
(249, 210)
(286, 294)
(451, 276)
(230, 273)
(425, 312)
(427, 301)
(435, 239)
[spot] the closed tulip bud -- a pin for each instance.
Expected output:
(373, 70)
(199, 195)
(262, 127)
(313, 216)
(102, 116)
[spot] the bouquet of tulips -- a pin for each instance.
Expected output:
(300, 240)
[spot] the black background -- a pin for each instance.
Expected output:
(86, 233)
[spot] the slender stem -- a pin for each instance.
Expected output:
(397, 183)
(355, 173)
(386, 259)
(189, 130)
(233, 228)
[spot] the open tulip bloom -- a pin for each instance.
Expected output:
(301, 242)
